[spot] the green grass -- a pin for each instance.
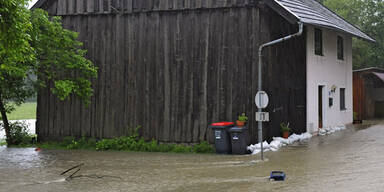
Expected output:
(24, 111)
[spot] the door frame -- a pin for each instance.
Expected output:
(323, 105)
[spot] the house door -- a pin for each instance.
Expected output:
(320, 107)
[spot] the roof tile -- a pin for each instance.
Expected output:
(313, 13)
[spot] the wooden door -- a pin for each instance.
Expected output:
(320, 106)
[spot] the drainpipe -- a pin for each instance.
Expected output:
(260, 123)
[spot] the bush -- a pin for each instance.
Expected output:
(203, 147)
(126, 143)
(82, 143)
(19, 133)
(135, 144)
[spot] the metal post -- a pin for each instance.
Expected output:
(260, 124)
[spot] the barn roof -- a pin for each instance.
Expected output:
(309, 12)
(369, 69)
(38, 4)
(312, 12)
(374, 73)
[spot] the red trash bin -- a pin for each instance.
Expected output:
(222, 138)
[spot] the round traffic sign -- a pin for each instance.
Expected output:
(261, 99)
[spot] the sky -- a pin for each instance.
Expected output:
(31, 3)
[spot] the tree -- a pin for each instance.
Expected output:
(367, 15)
(31, 42)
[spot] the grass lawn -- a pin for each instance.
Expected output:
(24, 111)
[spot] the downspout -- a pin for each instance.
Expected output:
(260, 123)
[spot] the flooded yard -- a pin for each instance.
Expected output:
(349, 160)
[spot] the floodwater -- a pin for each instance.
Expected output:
(350, 160)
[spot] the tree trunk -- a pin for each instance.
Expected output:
(4, 117)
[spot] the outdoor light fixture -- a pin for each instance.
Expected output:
(333, 88)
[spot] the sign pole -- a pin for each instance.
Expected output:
(261, 133)
(260, 108)
(261, 100)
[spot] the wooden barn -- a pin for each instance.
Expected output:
(368, 93)
(175, 66)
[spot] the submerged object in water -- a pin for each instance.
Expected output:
(277, 176)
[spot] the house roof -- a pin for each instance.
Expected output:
(379, 75)
(311, 12)
(372, 72)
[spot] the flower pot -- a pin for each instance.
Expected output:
(240, 123)
(285, 134)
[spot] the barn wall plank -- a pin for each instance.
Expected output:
(175, 72)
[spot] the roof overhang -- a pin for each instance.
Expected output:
(281, 10)
(369, 69)
(372, 73)
(38, 4)
(379, 75)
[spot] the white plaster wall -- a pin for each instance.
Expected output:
(327, 70)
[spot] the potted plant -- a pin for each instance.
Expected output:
(285, 129)
(241, 120)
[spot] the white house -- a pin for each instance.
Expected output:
(329, 63)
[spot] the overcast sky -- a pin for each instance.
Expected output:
(32, 3)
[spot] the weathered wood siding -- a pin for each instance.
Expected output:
(358, 96)
(367, 104)
(176, 71)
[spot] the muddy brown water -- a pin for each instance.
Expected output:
(350, 160)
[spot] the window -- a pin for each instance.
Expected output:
(318, 42)
(340, 48)
(342, 99)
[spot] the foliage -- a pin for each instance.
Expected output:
(59, 57)
(132, 144)
(126, 143)
(19, 133)
(34, 44)
(122, 144)
(243, 117)
(367, 15)
(82, 143)
(203, 147)
(16, 53)
(284, 127)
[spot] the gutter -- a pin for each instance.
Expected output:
(260, 123)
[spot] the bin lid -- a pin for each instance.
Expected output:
(222, 123)
(238, 129)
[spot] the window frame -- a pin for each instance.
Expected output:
(340, 47)
(342, 99)
(319, 49)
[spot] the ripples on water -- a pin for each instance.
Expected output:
(351, 160)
